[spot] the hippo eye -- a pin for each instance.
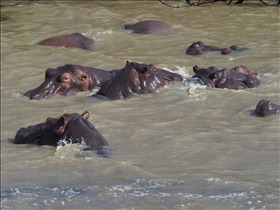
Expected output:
(85, 115)
(65, 78)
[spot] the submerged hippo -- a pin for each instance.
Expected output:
(238, 77)
(204, 74)
(149, 27)
(75, 40)
(233, 80)
(69, 80)
(135, 79)
(72, 128)
(198, 48)
(265, 107)
(240, 1)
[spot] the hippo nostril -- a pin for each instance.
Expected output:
(37, 96)
(31, 95)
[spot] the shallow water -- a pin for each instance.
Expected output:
(180, 147)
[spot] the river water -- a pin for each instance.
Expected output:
(178, 148)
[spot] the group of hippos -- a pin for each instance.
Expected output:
(133, 79)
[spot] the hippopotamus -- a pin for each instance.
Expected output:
(149, 27)
(240, 1)
(70, 79)
(71, 128)
(75, 40)
(203, 75)
(238, 77)
(198, 48)
(265, 107)
(233, 80)
(135, 79)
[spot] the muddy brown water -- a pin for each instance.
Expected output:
(178, 148)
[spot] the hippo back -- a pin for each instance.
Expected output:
(149, 27)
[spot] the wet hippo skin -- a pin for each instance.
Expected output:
(239, 77)
(203, 75)
(265, 107)
(149, 27)
(135, 79)
(234, 80)
(73, 128)
(70, 79)
(198, 48)
(75, 40)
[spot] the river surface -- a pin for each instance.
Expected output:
(182, 147)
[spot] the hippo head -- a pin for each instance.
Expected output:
(141, 74)
(204, 75)
(223, 79)
(143, 78)
(252, 81)
(149, 77)
(233, 48)
(196, 48)
(265, 107)
(226, 51)
(69, 127)
(135, 79)
(66, 81)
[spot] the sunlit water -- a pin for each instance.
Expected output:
(182, 147)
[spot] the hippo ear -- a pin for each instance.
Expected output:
(50, 72)
(195, 69)
(61, 120)
(59, 125)
(85, 115)
(127, 62)
(62, 123)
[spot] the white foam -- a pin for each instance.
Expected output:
(109, 31)
(194, 90)
(67, 150)
(181, 70)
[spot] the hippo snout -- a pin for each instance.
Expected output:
(34, 95)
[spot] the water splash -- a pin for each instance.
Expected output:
(171, 193)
